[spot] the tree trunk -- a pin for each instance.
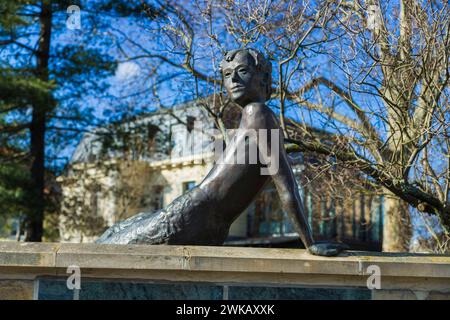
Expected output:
(19, 229)
(35, 220)
(397, 228)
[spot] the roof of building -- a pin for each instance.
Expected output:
(92, 146)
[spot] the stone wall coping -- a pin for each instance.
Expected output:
(135, 258)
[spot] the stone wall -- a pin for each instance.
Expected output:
(39, 271)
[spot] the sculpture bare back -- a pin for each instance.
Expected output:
(203, 215)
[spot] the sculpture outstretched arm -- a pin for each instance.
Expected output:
(288, 191)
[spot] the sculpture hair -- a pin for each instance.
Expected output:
(262, 65)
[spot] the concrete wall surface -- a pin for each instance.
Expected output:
(92, 271)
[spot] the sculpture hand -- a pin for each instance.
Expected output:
(327, 249)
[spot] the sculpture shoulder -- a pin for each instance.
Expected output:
(259, 114)
(255, 108)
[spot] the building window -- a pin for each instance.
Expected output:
(266, 217)
(95, 195)
(157, 197)
(188, 185)
(190, 123)
(152, 131)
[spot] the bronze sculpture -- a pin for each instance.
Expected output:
(203, 215)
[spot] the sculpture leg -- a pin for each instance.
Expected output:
(135, 229)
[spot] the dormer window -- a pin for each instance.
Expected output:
(190, 121)
(151, 135)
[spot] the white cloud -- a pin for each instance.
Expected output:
(127, 70)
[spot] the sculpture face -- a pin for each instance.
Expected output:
(242, 80)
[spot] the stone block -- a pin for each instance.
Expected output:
(16, 289)
(56, 289)
(28, 254)
(292, 293)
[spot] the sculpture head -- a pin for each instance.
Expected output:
(247, 76)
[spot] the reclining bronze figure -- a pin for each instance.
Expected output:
(203, 215)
